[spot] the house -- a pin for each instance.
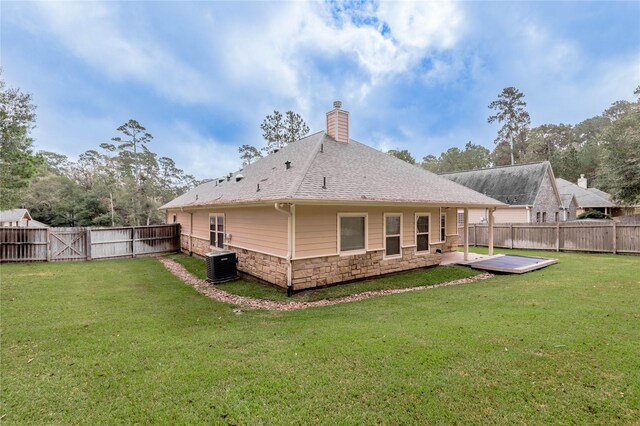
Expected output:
(569, 207)
(323, 210)
(589, 198)
(19, 218)
(528, 190)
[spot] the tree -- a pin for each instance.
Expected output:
(403, 155)
(248, 154)
(543, 141)
(132, 156)
(279, 130)
(18, 164)
(620, 171)
(454, 159)
(515, 122)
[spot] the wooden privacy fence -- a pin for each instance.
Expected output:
(588, 237)
(52, 244)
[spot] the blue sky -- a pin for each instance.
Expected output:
(201, 76)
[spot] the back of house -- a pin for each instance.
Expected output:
(325, 209)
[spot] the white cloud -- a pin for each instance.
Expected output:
(111, 43)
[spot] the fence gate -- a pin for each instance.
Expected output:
(68, 244)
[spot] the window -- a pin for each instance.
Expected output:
(352, 231)
(557, 217)
(443, 227)
(460, 219)
(537, 216)
(392, 234)
(216, 230)
(422, 232)
(175, 218)
(544, 216)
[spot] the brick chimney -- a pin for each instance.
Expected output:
(338, 123)
(582, 181)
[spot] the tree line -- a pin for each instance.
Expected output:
(121, 182)
(605, 148)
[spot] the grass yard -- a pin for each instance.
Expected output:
(125, 342)
(254, 288)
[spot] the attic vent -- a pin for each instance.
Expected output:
(220, 180)
(239, 177)
(228, 178)
(276, 150)
(287, 164)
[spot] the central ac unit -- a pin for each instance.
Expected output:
(221, 266)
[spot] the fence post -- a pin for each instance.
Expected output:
(615, 239)
(133, 241)
(511, 236)
(88, 243)
(48, 244)
(557, 236)
(475, 235)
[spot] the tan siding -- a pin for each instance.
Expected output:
(201, 224)
(317, 232)
(511, 215)
(258, 228)
(452, 221)
(261, 229)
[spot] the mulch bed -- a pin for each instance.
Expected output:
(207, 289)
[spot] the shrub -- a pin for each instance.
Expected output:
(593, 214)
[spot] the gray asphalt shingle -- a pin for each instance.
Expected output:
(353, 172)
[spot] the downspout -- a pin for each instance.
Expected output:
(289, 244)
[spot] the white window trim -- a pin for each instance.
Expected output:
(440, 226)
(415, 233)
(224, 230)
(366, 234)
(384, 236)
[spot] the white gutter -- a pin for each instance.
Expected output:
(289, 214)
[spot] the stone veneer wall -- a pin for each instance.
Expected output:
(546, 201)
(325, 270)
(272, 269)
(320, 271)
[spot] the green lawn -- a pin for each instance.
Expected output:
(125, 342)
(254, 288)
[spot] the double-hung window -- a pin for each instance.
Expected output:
(392, 234)
(216, 230)
(423, 222)
(443, 227)
(352, 228)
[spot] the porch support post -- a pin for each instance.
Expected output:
(491, 231)
(466, 234)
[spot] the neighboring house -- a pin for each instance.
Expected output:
(589, 198)
(569, 207)
(325, 209)
(19, 218)
(528, 190)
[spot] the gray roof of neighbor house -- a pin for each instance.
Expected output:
(584, 197)
(516, 185)
(566, 200)
(14, 215)
(322, 169)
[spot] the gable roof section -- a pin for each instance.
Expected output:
(584, 197)
(566, 200)
(354, 172)
(14, 215)
(516, 185)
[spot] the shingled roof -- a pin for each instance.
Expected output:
(585, 198)
(516, 185)
(323, 170)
